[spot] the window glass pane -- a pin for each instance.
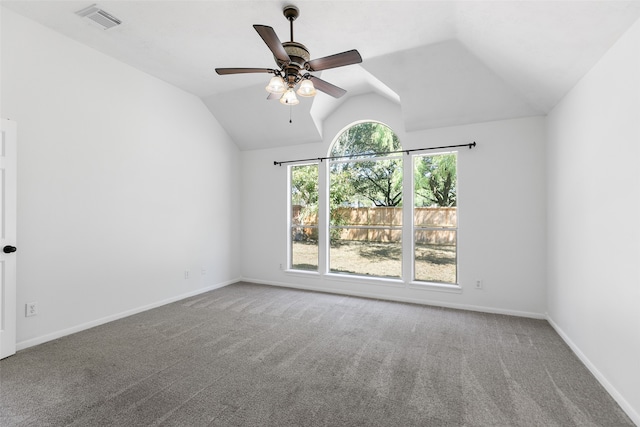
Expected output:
(304, 248)
(366, 251)
(366, 217)
(304, 217)
(435, 256)
(435, 218)
(366, 140)
(366, 184)
(435, 180)
(304, 194)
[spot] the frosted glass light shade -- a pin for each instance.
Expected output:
(306, 88)
(289, 98)
(276, 85)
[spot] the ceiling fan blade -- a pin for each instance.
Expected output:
(273, 96)
(333, 61)
(223, 71)
(273, 42)
(327, 87)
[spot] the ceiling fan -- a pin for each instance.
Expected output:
(295, 66)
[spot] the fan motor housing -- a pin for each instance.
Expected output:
(297, 52)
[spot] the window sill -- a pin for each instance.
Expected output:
(379, 281)
(302, 273)
(383, 281)
(439, 287)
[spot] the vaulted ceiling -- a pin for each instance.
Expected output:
(444, 63)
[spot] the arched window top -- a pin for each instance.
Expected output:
(365, 139)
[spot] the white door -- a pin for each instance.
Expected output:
(8, 148)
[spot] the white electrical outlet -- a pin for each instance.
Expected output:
(186, 274)
(30, 309)
(479, 284)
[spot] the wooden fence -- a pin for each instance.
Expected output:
(367, 221)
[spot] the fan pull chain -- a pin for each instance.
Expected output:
(290, 108)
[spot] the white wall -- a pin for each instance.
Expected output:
(501, 220)
(593, 216)
(123, 183)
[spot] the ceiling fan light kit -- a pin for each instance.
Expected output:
(295, 66)
(276, 85)
(289, 98)
(306, 89)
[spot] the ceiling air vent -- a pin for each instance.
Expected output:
(103, 19)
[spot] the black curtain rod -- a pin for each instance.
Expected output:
(471, 145)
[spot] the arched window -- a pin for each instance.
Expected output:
(365, 201)
(366, 139)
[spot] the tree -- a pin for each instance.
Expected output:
(304, 193)
(377, 181)
(304, 185)
(435, 180)
(366, 140)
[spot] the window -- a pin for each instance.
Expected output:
(365, 202)
(304, 217)
(435, 218)
(364, 215)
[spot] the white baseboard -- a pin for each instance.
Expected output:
(626, 407)
(421, 301)
(78, 328)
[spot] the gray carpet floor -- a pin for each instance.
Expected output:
(253, 355)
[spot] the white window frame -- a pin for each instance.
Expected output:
(407, 279)
(290, 224)
(422, 284)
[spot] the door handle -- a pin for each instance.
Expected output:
(8, 249)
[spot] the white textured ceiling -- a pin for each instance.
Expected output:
(444, 62)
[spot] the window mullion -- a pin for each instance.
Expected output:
(323, 217)
(407, 219)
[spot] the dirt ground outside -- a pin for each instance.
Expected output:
(433, 263)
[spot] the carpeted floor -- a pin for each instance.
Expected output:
(253, 355)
